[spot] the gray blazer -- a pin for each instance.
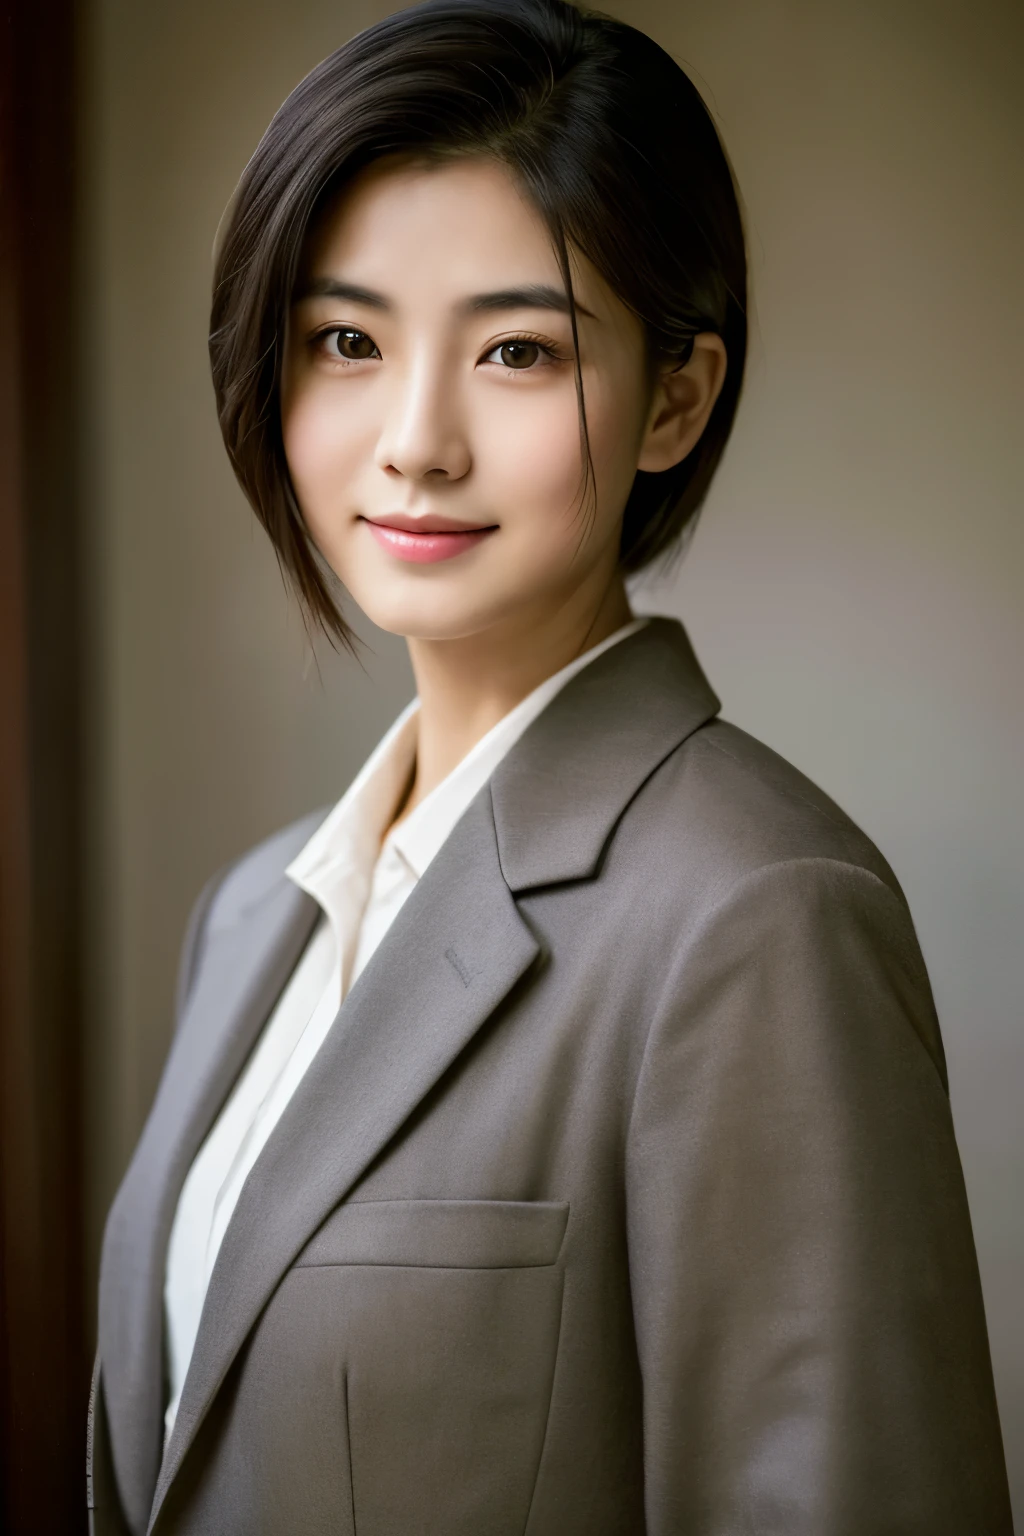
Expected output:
(622, 1197)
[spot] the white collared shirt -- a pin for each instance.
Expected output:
(361, 879)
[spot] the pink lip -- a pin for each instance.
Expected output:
(425, 540)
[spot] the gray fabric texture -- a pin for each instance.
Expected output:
(623, 1195)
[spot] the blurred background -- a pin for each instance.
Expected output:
(854, 590)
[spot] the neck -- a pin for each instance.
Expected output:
(467, 685)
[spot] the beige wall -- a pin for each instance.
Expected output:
(854, 591)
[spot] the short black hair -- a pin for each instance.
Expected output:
(610, 140)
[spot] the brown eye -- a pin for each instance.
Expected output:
(353, 346)
(518, 354)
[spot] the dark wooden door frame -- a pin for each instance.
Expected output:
(43, 1366)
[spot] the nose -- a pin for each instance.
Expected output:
(423, 435)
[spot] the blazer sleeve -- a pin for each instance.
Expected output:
(808, 1310)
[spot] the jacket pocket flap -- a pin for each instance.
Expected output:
(444, 1234)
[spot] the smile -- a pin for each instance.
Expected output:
(441, 539)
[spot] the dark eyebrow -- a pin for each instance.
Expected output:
(533, 296)
(332, 288)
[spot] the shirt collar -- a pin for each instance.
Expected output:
(352, 836)
(348, 840)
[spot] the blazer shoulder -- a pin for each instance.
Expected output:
(248, 878)
(737, 807)
(232, 890)
(752, 861)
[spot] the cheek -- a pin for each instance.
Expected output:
(325, 441)
(529, 454)
(534, 456)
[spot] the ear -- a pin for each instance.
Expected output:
(683, 399)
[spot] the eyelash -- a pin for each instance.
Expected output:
(318, 337)
(550, 351)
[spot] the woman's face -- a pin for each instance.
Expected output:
(429, 404)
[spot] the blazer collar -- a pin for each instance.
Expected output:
(455, 951)
(560, 792)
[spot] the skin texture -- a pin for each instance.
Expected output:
(410, 398)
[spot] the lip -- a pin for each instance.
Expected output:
(423, 540)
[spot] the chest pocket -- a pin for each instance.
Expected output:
(440, 1234)
(412, 1349)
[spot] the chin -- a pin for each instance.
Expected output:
(437, 615)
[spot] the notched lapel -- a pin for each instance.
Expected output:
(454, 952)
(244, 969)
(560, 791)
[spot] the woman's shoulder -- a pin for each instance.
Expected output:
(254, 874)
(233, 889)
(759, 892)
(724, 806)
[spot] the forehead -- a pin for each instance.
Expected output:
(448, 229)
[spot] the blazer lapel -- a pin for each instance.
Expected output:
(559, 793)
(453, 953)
(245, 967)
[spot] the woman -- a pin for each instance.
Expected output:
(555, 1138)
